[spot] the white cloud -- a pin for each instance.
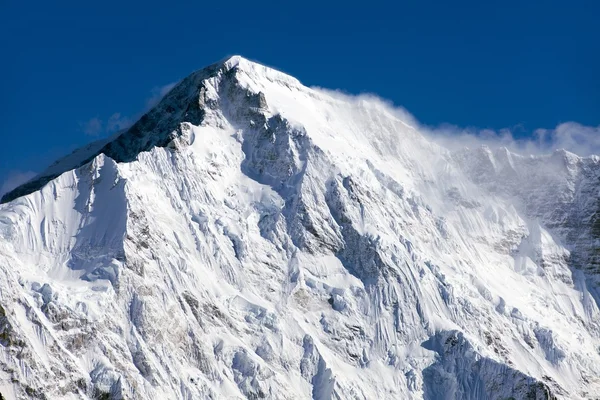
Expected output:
(572, 136)
(14, 179)
(96, 126)
(116, 122)
(158, 93)
(92, 127)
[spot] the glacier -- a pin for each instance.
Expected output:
(250, 237)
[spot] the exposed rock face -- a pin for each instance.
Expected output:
(253, 238)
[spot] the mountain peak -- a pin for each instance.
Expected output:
(158, 126)
(301, 244)
(155, 128)
(235, 60)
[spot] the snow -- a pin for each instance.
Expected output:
(254, 238)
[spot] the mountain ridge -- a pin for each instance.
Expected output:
(104, 145)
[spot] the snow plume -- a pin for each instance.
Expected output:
(117, 121)
(571, 136)
(373, 100)
(158, 92)
(98, 127)
(92, 127)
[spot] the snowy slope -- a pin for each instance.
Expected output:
(254, 238)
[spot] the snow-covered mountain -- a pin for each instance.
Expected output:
(253, 238)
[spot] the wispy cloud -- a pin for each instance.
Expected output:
(158, 93)
(97, 127)
(116, 122)
(571, 136)
(14, 179)
(92, 127)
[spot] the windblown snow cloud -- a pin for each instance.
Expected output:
(158, 93)
(117, 121)
(92, 127)
(97, 127)
(572, 136)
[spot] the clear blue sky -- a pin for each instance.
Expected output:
(68, 66)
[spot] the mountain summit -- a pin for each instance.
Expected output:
(250, 237)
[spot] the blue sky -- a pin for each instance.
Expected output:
(75, 71)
